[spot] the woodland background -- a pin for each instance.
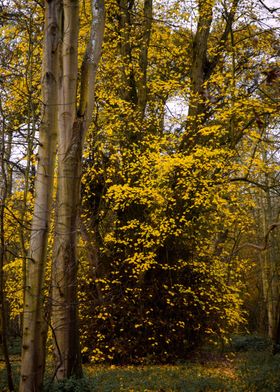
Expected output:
(177, 229)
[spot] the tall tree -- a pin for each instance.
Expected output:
(74, 120)
(34, 326)
(5, 189)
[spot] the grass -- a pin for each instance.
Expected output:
(245, 367)
(187, 377)
(252, 371)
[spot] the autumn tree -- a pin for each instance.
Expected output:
(150, 223)
(163, 202)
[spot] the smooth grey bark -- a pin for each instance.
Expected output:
(73, 126)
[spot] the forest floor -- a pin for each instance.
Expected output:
(244, 367)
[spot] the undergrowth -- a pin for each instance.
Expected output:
(247, 365)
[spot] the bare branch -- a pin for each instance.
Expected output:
(271, 10)
(265, 244)
(91, 60)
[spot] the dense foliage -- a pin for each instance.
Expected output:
(163, 272)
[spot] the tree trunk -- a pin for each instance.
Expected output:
(199, 65)
(65, 317)
(5, 191)
(143, 61)
(73, 126)
(270, 274)
(202, 67)
(34, 326)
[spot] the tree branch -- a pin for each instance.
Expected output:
(271, 10)
(264, 246)
(229, 21)
(91, 60)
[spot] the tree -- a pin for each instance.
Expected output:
(34, 323)
(5, 189)
(155, 211)
(73, 125)
(167, 202)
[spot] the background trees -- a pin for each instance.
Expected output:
(170, 195)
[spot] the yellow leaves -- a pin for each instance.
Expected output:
(16, 215)
(141, 262)
(124, 195)
(181, 324)
(169, 302)
(169, 221)
(109, 238)
(103, 315)
(16, 265)
(13, 286)
(211, 130)
(97, 355)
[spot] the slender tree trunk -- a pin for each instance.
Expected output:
(34, 326)
(3, 310)
(73, 126)
(202, 67)
(5, 191)
(199, 65)
(271, 275)
(270, 264)
(65, 317)
(128, 91)
(143, 61)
